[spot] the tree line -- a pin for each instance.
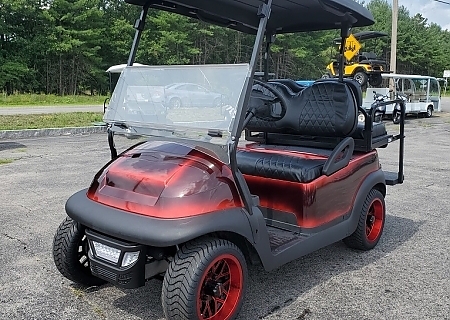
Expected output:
(64, 46)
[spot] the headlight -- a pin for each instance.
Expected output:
(106, 252)
(129, 258)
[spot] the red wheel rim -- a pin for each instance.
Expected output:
(220, 288)
(374, 220)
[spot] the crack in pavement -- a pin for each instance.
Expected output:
(16, 239)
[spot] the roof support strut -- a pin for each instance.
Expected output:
(139, 26)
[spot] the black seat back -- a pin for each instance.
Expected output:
(354, 86)
(291, 84)
(325, 109)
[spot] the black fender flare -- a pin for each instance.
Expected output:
(153, 231)
(373, 180)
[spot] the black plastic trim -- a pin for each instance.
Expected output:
(154, 231)
(340, 157)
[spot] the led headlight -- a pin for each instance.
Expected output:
(129, 258)
(106, 252)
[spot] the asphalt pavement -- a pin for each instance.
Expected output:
(405, 277)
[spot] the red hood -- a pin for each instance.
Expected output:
(166, 180)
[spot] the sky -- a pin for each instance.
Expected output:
(434, 11)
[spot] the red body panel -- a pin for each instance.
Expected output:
(317, 202)
(170, 180)
(165, 180)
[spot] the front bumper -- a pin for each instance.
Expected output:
(151, 231)
(129, 276)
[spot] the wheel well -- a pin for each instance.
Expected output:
(359, 69)
(241, 242)
(382, 188)
(430, 105)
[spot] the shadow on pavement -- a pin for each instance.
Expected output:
(288, 282)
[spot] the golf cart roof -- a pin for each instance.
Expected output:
(404, 76)
(119, 67)
(286, 15)
(365, 35)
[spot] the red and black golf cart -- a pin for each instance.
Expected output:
(194, 202)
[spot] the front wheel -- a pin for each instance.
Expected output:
(429, 112)
(70, 253)
(206, 280)
(371, 223)
(175, 103)
(361, 77)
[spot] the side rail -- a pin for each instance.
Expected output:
(398, 177)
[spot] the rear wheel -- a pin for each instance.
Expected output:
(371, 223)
(206, 280)
(396, 117)
(361, 77)
(429, 112)
(375, 80)
(70, 253)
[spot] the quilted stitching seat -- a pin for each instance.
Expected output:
(277, 166)
(325, 109)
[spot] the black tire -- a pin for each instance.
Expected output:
(175, 103)
(326, 76)
(396, 117)
(370, 224)
(361, 77)
(429, 113)
(375, 80)
(202, 272)
(70, 249)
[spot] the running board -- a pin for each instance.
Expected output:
(280, 238)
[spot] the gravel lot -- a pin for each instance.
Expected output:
(405, 277)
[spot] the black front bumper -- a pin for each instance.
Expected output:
(155, 232)
(129, 277)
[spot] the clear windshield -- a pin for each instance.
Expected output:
(194, 102)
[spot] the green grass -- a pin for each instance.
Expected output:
(55, 120)
(5, 161)
(48, 100)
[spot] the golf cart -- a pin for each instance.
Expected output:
(364, 67)
(423, 93)
(193, 203)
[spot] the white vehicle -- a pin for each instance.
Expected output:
(423, 94)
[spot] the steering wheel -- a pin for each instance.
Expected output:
(267, 113)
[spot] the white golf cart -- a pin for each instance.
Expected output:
(422, 93)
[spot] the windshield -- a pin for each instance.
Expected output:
(192, 102)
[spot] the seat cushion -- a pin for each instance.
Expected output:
(279, 166)
(378, 130)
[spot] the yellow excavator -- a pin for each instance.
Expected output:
(364, 67)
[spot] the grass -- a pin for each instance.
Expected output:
(5, 161)
(48, 100)
(55, 120)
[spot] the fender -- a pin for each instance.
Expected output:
(153, 231)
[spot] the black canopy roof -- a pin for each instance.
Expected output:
(365, 35)
(286, 16)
